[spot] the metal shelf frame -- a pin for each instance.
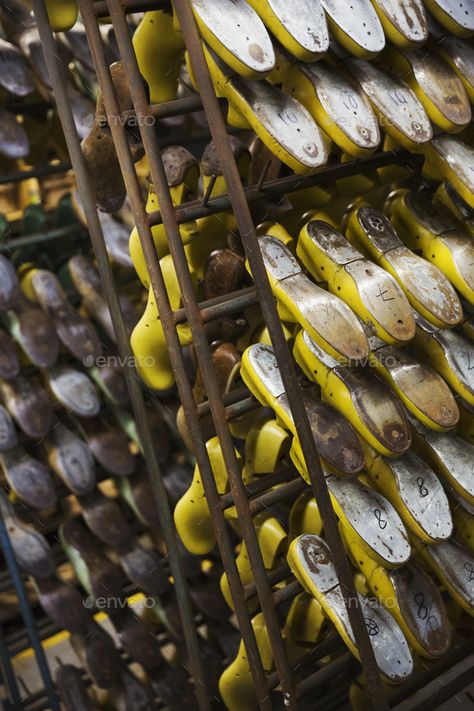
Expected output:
(247, 500)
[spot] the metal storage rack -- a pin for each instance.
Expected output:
(283, 687)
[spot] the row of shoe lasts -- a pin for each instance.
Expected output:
(111, 533)
(379, 309)
(304, 103)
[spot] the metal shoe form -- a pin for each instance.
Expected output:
(335, 439)
(70, 458)
(169, 679)
(446, 197)
(8, 436)
(457, 18)
(428, 290)
(309, 558)
(369, 405)
(137, 491)
(108, 445)
(299, 26)
(98, 654)
(73, 390)
(34, 332)
(237, 34)
(355, 26)
(63, 604)
(72, 689)
(412, 598)
(28, 478)
(338, 106)
(31, 549)
(9, 357)
(182, 172)
(14, 142)
(415, 491)
(450, 158)
(438, 238)
(75, 333)
(436, 85)
(99, 149)
(105, 518)
(136, 638)
(274, 116)
(110, 379)
(369, 290)
(404, 21)
(15, 75)
(99, 577)
(29, 405)
(326, 317)
(450, 456)
(396, 106)
(450, 354)
(133, 694)
(453, 565)
(460, 56)
(145, 568)
(9, 287)
(421, 389)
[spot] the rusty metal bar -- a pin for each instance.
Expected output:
(194, 210)
(130, 6)
(241, 210)
(326, 673)
(201, 346)
(58, 79)
(222, 306)
(269, 498)
(159, 289)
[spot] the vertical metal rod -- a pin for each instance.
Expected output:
(8, 672)
(58, 80)
(27, 615)
(176, 356)
(203, 351)
(240, 206)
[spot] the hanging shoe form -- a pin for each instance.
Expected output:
(34, 332)
(108, 445)
(428, 290)
(97, 653)
(369, 405)
(335, 439)
(446, 197)
(72, 689)
(237, 35)
(15, 75)
(62, 14)
(309, 558)
(8, 436)
(326, 317)
(28, 478)
(299, 26)
(14, 142)
(404, 21)
(9, 357)
(73, 390)
(456, 17)
(415, 491)
(105, 518)
(449, 158)
(356, 26)
(369, 290)
(460, 55)
(29, 405)
(70, 458)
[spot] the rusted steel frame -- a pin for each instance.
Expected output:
(263, 484)
(42, 170)
(274, 576)
(231, 398)
(179, 107)
(241, 210)
(269, 498)
(161, 296)
(222, 306)
(194, 209)
(202, 350)
(326, 673)
(58, 78)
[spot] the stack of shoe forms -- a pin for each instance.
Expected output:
(373, 277)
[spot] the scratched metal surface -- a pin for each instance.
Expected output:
(422, 608)
(373, 517)
(457, 456)
(332, 242)
(428, 215)
(305, 21)
(358, 19)
(462, 55)
(378, 229)
(286, 120)
(346, 104)
(460, 12)
(461, 247)
(408, 16)
(263, 361)
(238, 27)
(74, 390)
(71, 459)
(441, 84)
(459, 353)
(457, 563)
(423, 494)
(458, 155)
(394, 100)
(391, 650)
(277, 258)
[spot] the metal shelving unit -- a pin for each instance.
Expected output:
(285, 686)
